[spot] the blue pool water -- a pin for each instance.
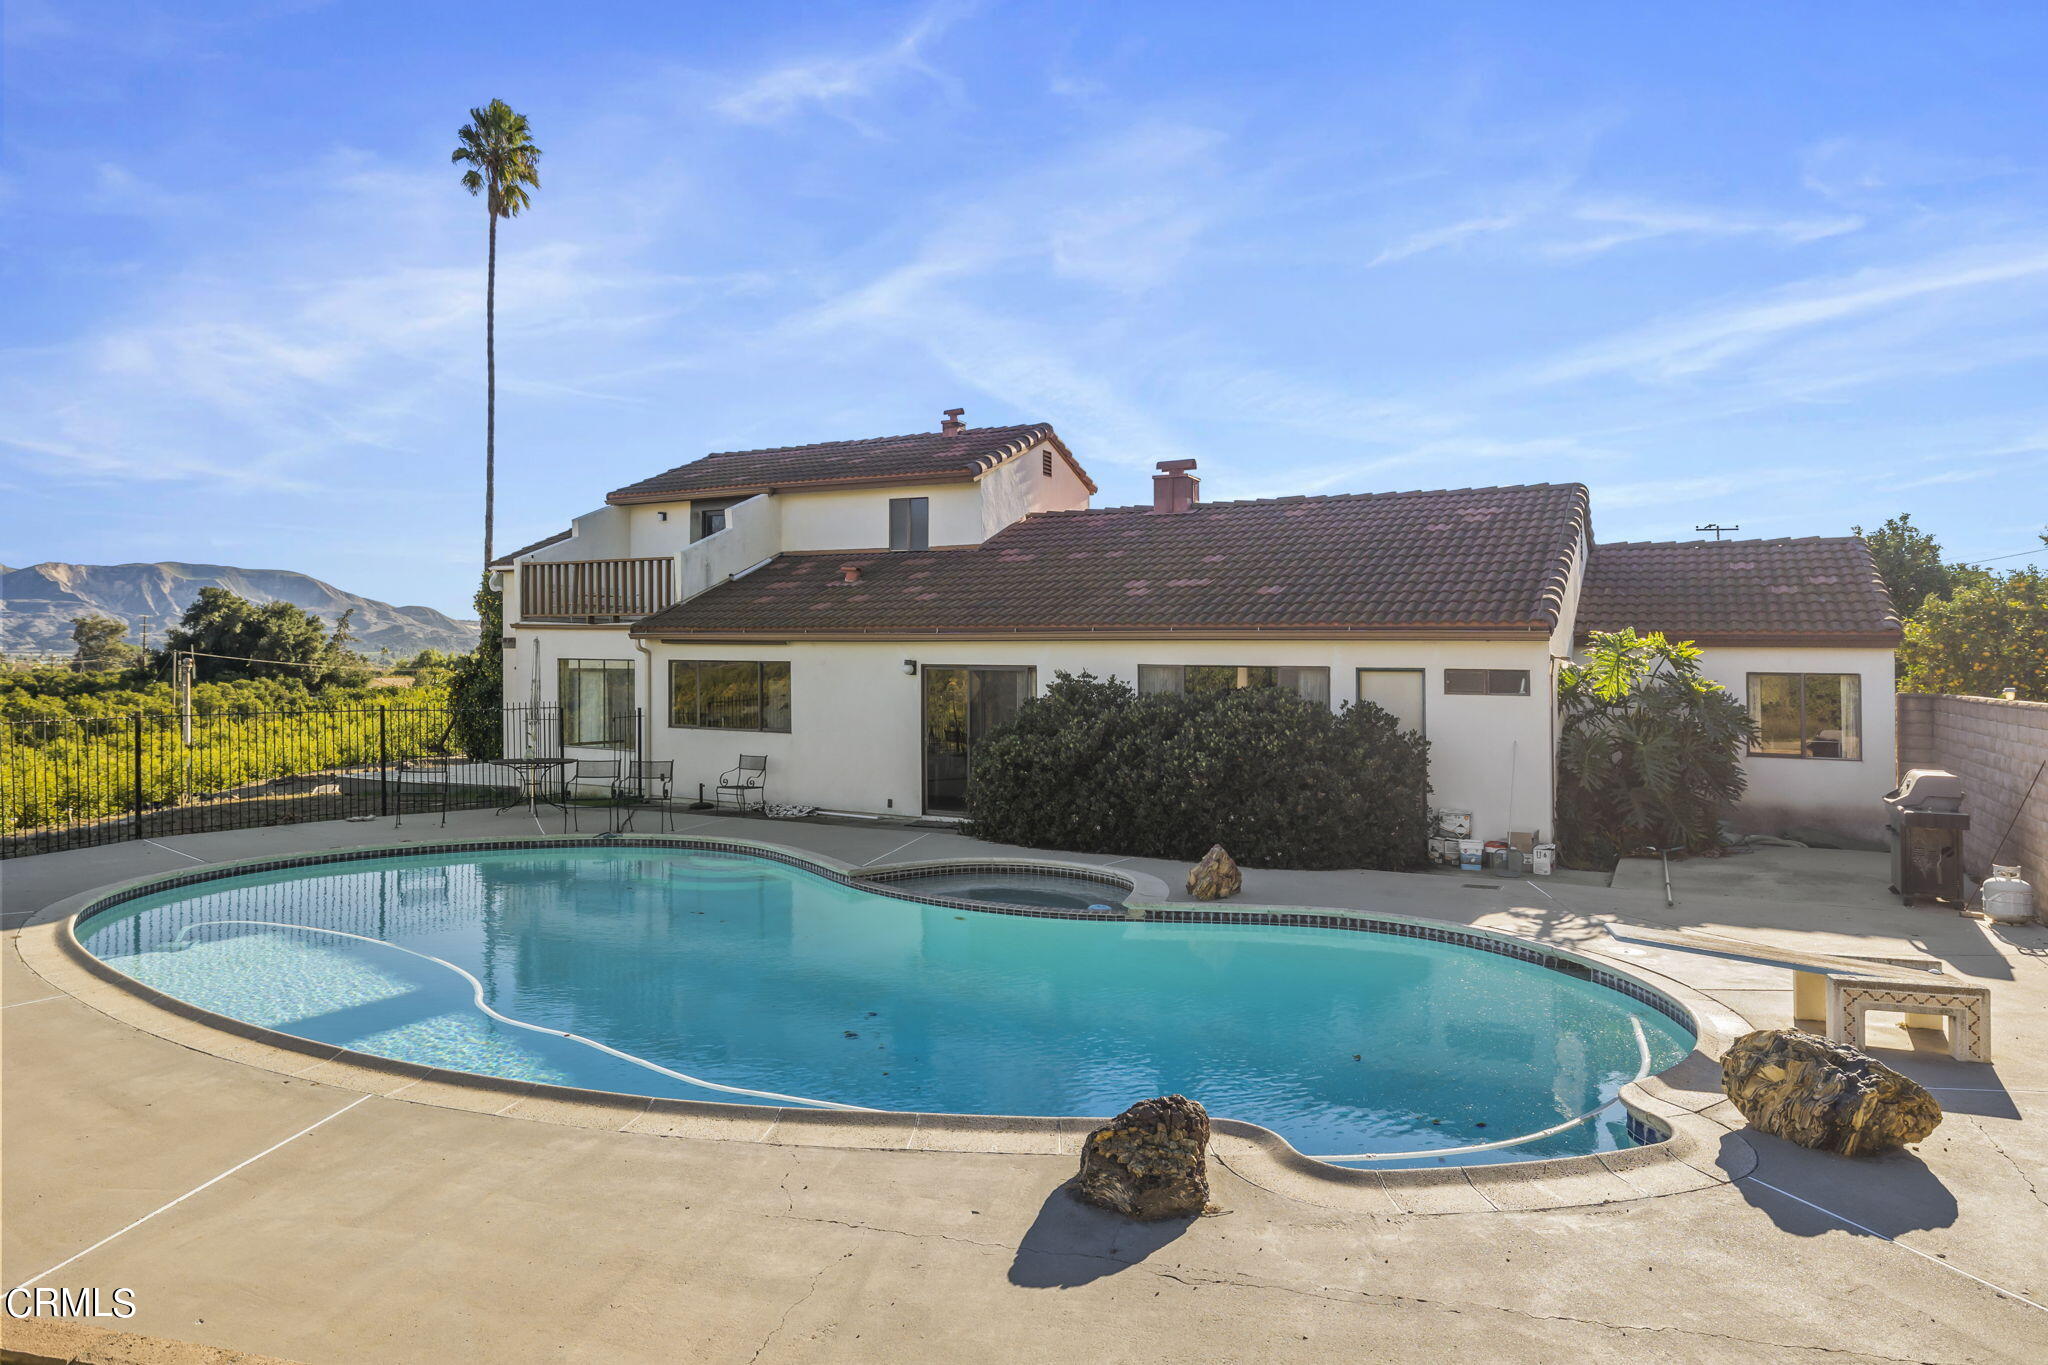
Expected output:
(744, 973)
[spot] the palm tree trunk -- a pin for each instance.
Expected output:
(491, 387)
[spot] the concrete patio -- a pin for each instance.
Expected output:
(273, 1213)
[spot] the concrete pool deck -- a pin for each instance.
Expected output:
(284, 1215)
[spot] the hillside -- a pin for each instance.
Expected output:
(38, 602)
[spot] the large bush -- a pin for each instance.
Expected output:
(1094, 767)
(476, 684)
(1650, 751)
(1980, 639)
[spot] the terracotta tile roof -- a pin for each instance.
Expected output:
(1467, 559)
(1810, 588)
(540, 544)
(932, 455)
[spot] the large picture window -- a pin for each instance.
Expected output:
(1807, 715)
(728, 694)
(596, 697)
(1311, 683)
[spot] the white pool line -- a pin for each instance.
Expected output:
(477, 991)
(34, 1280)
(1642, 1050)
(1932, 1260)
(168, 849)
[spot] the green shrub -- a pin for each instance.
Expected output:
(1650, 752)
(476, 685)
(1093, 767)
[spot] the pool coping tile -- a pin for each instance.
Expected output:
(1692, 1141)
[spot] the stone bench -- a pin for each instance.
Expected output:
(1965, 1009)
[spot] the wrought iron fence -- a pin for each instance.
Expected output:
(73, 782)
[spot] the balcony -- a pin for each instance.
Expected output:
(595, 590)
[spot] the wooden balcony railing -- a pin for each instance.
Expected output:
(595, 589)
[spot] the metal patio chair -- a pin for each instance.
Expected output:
(596, 780)
(646, 782)
(737, 787)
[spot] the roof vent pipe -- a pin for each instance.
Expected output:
(851, 572)
(1175, 488)
(953, 426)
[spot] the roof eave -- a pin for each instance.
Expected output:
(624, 497)
(1515, 631)
(1781, 639)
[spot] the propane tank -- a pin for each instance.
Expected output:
(2007, 899)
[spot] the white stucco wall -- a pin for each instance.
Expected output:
(858, 518)
(1836, 794)
(753, 533)
(855, 714)
(1019, 487)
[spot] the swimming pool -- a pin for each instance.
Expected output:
(713, 974)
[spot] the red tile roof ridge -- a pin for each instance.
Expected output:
(1292, 498)
(1752, 540)
(962, 434)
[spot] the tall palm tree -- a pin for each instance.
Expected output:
(502, 163)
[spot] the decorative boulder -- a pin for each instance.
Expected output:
(1216, 877)
(1149, 1162)
(1824, 1095)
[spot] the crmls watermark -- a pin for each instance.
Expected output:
(47, 1301)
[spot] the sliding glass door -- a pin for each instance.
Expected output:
(962, 704)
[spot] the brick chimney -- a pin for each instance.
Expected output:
(1175, 488)
(953, 426)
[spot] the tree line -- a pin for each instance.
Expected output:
(1969, 630)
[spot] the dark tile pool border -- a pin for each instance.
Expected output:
(878, 881)
(1693, 1145)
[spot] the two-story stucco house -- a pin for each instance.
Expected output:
(862, 612)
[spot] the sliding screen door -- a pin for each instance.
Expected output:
(960, 706)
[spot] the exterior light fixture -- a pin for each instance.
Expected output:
(910, 667)
(661, 516)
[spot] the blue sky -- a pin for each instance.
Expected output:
(1778, 265)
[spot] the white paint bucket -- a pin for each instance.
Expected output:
(1543, 859)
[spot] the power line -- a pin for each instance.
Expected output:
(245, 659)
(1993, 559)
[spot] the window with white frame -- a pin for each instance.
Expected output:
(1807, 715)
(1311, 683)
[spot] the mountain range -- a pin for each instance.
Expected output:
(38, 602)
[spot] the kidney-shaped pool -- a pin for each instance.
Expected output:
(712, 975)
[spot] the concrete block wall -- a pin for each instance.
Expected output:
(1996, 747)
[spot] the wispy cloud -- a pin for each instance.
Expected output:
(1449, 235)
(1548, 222)
(1708, 339)
(838, 83)
(1617, 224)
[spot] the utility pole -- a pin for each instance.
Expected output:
(1716, 528)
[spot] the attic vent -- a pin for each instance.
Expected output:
(1045, 463)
